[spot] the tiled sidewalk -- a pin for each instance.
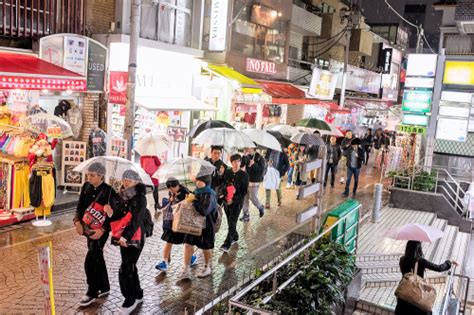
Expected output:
(261, 240)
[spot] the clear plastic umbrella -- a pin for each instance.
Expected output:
(153, 144)
(224, 137)
(115, 167)
(307, 139)
(184, 169)
(53, 126)
(285, 130)
(263, 138)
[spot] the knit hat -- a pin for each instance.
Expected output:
(97, 168)
(131, 175)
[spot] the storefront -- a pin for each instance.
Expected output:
(164, 96)
(27, 84)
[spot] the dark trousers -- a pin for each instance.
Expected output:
(350, 172)
(128, 273)
(367, 153)
(333, 168)
(156, 198)
(232, 212)
(96, 271)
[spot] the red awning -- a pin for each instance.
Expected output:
(286, 93)
(26, 72)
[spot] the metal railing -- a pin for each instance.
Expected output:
(450, 293)
(235, 302)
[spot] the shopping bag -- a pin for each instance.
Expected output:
(416, 291)
(187, 220)
(94, 216)
(119, 226)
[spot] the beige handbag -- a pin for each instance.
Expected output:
(187, 220)
(416, 291)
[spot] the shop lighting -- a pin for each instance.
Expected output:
(279, 14)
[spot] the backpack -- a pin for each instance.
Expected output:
(148, 224)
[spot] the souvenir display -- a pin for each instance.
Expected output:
(74, 153)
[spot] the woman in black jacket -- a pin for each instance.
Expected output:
(205, 202)
(132, 238)
(413, 255)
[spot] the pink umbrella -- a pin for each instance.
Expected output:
(414, 232)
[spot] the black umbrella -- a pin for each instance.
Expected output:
(208, 124)
(284, 141)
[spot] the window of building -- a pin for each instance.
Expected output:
(326, 8)
(259, 33)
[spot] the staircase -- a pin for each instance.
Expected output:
(378, 259)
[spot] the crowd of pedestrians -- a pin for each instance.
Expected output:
(230, 189)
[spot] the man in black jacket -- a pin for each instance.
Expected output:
(254, 165)
(333, 157)
(355, 158)
(218, 180)
(95, 190)
(240, 180)
(345, 145)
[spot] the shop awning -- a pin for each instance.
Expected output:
(26, 72)
(173, 104)
(248, 85)
(286, 93)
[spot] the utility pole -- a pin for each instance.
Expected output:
(346, 62)
(132, 73)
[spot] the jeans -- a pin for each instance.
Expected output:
(352, 171)
(290, 175)
(128, 273)
(252, 195)
(268, 195)
(96, 271)
(333, 168)
(232, 212)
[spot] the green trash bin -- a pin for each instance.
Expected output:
(346, 231)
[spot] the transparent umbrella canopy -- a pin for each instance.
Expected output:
(224, 137)
(153, 144)
(184, 169)
(263, 138)
(53, 126)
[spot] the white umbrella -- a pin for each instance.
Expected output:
(225, 137)
(184, 168)
(115, 167)
(286, 130)
(153, 144)
(414, 232)
(263, 138)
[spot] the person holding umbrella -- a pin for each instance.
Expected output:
(95, 194)
(333, 157)
(177, 193)
(278, 160)
(355, 158)
(345, 145)
(254, 165)
(218, 181)
(205, 202)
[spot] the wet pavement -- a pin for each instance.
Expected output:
(261, 240)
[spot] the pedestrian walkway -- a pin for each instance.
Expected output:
(261, 240)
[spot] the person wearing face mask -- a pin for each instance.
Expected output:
(131, 239)
(254, 165)
(97, 194)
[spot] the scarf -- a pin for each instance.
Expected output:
(128, 193)
(203, 190)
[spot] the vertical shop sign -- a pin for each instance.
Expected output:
(387, 60)
(323, 84)
(46, 277)
(96, 60)
(218, 31)
(51, 49)
(75, 54)
(118, 87)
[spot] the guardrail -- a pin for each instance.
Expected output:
(449, 293)
(235, 302)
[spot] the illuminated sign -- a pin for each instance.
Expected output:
(452, 129)
(418, 101)
(419, 82)
(411, 129)
(421, 65)
(459, 73)
(323, 84)
(218, 25)
(417, 120)
(260, 66)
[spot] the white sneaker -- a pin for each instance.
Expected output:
(342, 180)
(288, 186)
(185, 274)
(206, 271)
(86, 301)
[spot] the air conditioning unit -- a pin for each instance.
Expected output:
(465, 27)
(464, 16)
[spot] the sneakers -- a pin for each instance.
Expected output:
(224, 248)
(103, 293)
(279, 203)
(185, 274)
(206, 271)
(139, 297)
(341, 181)
(261, 211)
(162, 266)
(346, 193)
(233, 242)
(288, 186)
(86, 301)
(267, 206)
(193, 261)
(245, 218)
(128, 306)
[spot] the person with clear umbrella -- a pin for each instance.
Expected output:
(218, 180)
(95, 194)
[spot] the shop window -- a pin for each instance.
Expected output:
(259, 33)
(167, 21)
